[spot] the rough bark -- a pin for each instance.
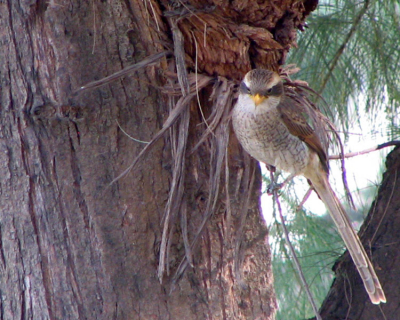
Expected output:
(347, 298)
(74, 246)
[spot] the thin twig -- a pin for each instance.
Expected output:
(294, 256)
(179, 142)
(219, 146)
(176, 191)
(145, 62)
(154, 14)
(186, 242)
(198, 96)
(228, 219)
(222, 96)
(342, 162)
(129, 136)
(357, 153)
(179, 52)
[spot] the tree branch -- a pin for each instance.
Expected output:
(145, 62)
(357, 153)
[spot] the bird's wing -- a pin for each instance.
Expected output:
(295, 117)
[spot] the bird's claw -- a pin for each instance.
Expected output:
(272, 187)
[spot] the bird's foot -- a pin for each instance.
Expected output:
(270, 168)
(272, 187)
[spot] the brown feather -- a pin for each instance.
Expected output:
(294, 116)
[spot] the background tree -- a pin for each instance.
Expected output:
(77, 243)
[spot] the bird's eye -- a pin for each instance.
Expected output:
(269, 91)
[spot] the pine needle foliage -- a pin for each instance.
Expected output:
(351, 50)
(317, 246)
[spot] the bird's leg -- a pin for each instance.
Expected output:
(276, 186)
(270, 168)
(273, 186)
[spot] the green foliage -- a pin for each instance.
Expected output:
(317, 246)
(351, 50)
(313, 237)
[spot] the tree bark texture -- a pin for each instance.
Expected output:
(73, 245)
(347, 298)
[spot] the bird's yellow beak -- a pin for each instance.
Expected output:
(257, 99)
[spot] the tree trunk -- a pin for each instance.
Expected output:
(347, 298)
(76, 245)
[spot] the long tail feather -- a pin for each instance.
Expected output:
(350, 238)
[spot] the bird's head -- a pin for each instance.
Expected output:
(263, 87)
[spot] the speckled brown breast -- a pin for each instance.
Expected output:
(264, 136)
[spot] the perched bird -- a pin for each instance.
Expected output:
(274, 127)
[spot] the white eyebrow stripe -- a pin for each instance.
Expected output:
(275, 80)
(247, 82)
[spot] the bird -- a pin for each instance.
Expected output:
(276, 128)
